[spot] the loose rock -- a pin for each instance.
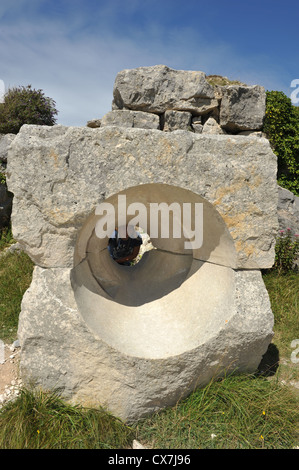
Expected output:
(159, 88)
(174, 120)
(127, 118)
(242, 108)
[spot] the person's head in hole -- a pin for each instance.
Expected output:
(124, 250)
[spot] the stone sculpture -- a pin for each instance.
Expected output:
(138, 338)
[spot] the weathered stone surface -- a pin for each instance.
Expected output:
(60, 351)
(135, 341)
(94, 123)
(288, 210)
(242, 107)
(160, 88)
(5, 141)
(197, 125)
(127, 118)
(59, 174)
(211, 126)
(253, 133)
(174, 120)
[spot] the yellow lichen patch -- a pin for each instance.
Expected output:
(247, 248)
(232, 220)
(240, 225)
(240, 220)
(169, 150)
(58, 216)
(54, 156)
(254, 209)
(253, 180)
(222, 192)
(128, 156)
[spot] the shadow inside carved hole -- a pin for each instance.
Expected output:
(154, 275)
(159, 271)
(128, 250)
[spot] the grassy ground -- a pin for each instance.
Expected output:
(6, 238)
(236, 412)
(43, 421)
(284, 296)
(15, 277)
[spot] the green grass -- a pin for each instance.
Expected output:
(15, 277)
(39, 420)
(236, 412)
(283, 291)
(6, 237)
(222, 81)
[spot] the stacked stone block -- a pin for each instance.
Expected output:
(162, 98)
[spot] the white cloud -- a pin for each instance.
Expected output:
(76, 75)
(76, 65)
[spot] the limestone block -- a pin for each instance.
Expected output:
(174, 120)
(242, 107)
(288, 210)
(94, 123)
(196, 124)
(5, 141)
(127, 118)
(138, 338)
(211, 126)
(136, 360)
(160, 88)
(59, 174)
(256, 133)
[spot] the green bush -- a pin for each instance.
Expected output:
(24, 105)
(281, 126)
(286, 251)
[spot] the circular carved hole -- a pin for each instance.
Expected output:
(127, 245)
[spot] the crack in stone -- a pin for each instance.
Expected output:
(162, 251)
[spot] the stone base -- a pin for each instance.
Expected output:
(62, 351)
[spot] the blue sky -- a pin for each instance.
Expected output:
(73, 49)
